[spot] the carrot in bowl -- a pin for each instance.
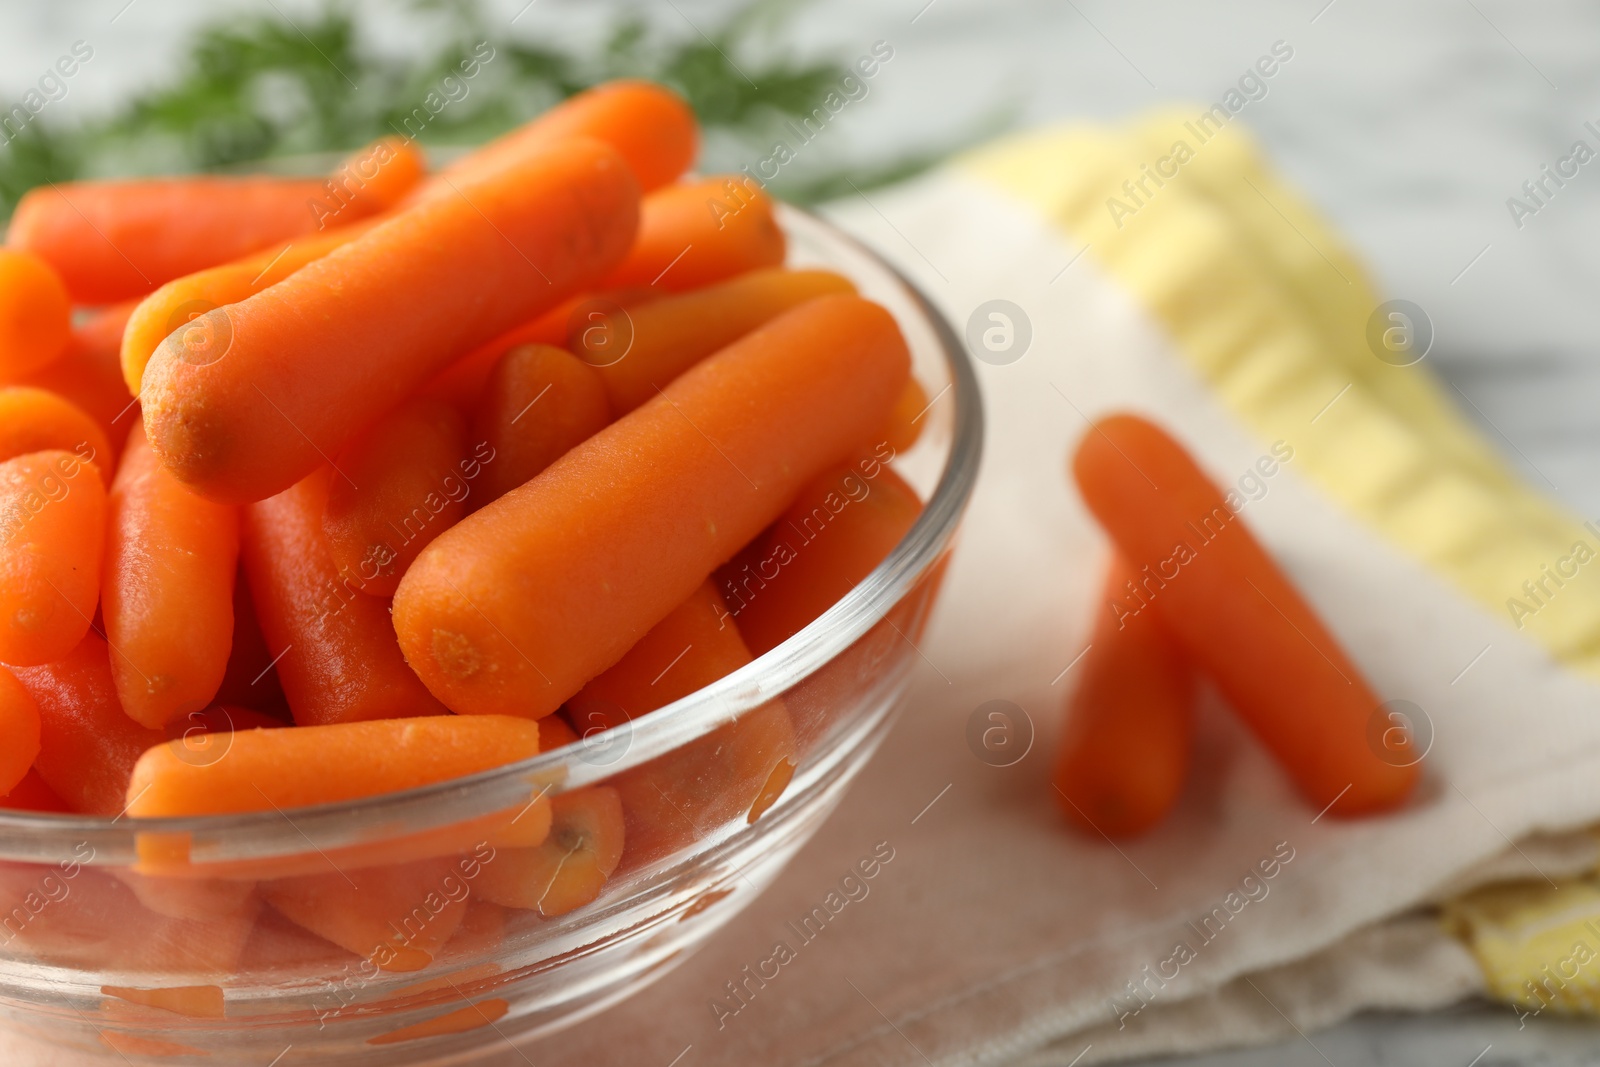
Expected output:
(1125, 750)
(513, 609)
(37, 420)
(538, 404)
(251, 398)
(52, 536)
(567, 871)
(1237, 616)
(35, 313)
(701, 232)
(19, 731)
(167, 589)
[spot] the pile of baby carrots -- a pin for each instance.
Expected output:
(1189, 594)
(400, 475)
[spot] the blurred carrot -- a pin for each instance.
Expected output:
(111, 240)
(1236, 615)
(35, 313)
(701, 232)
(336, 653)
(538, 404)
(905, 424)
(89, 374)
(666, 337)
(571, 867)
(837, 529)
(310, 765)
(650, 126)
(401, 483)
(87, 746)
(167, 590)
(19, 731)
(734, 772)
(513, 609)
(52, 537)
(37, 420)
(32, 794)
(315, 358)
(1125, 750)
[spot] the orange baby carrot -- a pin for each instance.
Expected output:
(539, 402)
(686, 794)
(400, 484)
(336, 653)
(52, 537)
(840, 527)
(309, 765)
(32, 794)
(323, 353)
(701, 232)
(513, 609)
(167, 589)
(19, 731)
(182, 300)
(37, 420)
(87, 746)
(571, 867)
(251, 680)
(906, 421)
(666, 337)
(111, 240)
(89, 374)
(1125, 749)
(649, 125)
(35, 313)
(1237, 616)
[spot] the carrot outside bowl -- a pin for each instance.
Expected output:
(150, 941)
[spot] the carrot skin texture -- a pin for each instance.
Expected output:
(670, 335)
(35, 313)
(250, 398)
(400, 484)
(1237, 617)
(19, 731)
(339, 660)
(309, 765)
(37, 420)
(52, 539)
(539, 403)
(513, 609)
(837, 529)
(167, 589)
(1127, 745)
(87, 746)
(650, 126)
(683, 244)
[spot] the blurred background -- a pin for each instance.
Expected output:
(1412, 126)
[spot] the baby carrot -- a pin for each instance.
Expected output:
(35, 313)
(52, 537)
(251, 678)
(19, 731)
(1237, 616)
(666, 337)
(310, 765)
(538, 403)
(88, 373)
(649, 125)
(701, 232)
(400, 484)
(686, 794)
(111, 240)
(37, 420)
(840, 527)
(904, 427)
(568, 871)
(31, 794)
(87, 746)
(167, 590)
(326, 351)
(182, 300)
(1130, 721)
(336, 653)
(513, 609)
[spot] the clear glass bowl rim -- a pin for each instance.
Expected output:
(45, 838)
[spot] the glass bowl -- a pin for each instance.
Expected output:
(144, 940)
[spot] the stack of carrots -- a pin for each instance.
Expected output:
(1191, 593)
(395, 477)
